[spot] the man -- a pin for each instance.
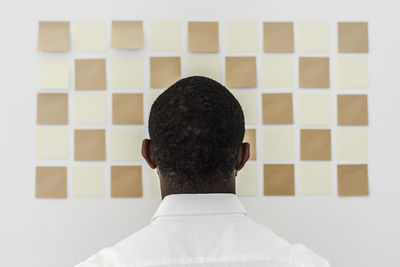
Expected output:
(196, 131)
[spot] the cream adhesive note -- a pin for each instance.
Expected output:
(204, 65)
(277, 71)
(314, 109)
(90, 108)
(127, 73)
(315, 178)
(165, 36)
(241, 36)
(352, 72)
(126, 144)
(249, 102)
(154, 183)
(352, 144)
(278, 144)
(246, 180)
(52, 143)
(53, 73)
(90, 36)
(87, 181)
(313, 37)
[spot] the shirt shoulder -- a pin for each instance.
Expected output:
(118, 254)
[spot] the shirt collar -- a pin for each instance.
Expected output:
(199, 205)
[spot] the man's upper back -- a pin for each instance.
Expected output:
(204, 230)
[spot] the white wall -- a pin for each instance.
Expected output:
(349, 232)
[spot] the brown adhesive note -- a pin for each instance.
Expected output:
(315, 144)
(90, 74)
(164, 71)
(314, 72)
(126, 181)
(127, 109)
(54, 36)
(279, 179)
(90, 145)
(241, 72)
(353, 180)
(353, 37)
(52, 108)
(127, 34)
(278, 37)
(277, 108)
(203, 37)
(352, 109)
(250, 137)
(51, 182)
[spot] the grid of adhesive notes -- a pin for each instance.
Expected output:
(306, 121)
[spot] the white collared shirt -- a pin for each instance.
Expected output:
(204, 230)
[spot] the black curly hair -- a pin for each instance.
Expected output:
(196, 127)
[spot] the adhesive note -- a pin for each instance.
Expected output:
(241, 36)
(314, 109)
(53, 73)
(153, 96)
(87, 181)
(165, 36)
(279, 179)
(277, 71)
(352, 144)
(127, 109)
(126, 144)
(277, 108)
(90, 74)
(352, 109)
(127, 34)
(250, 137)
(314, 72)
(204, 65)
(352, 72)
(53, 36)
(315, 144)
(353, 180)
(90, 36)
(278, 37)
(315, 179)
(126, 181)
(313, 37)
(203, 37)
(52, 143)
(52, 108)
(90, 145)
(154, 183)
(249, 102)
(278, 144)
(246, 180)
(353, 37)
(164, 71)
(51, 182)
(241, 72)
(127, 73)
(90, 108)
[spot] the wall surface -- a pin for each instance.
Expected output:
(350, 232)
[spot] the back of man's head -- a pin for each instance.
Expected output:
(196, 127)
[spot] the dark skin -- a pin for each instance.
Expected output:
(229, 187)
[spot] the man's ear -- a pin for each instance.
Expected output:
(147, 153)
(243, 155)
